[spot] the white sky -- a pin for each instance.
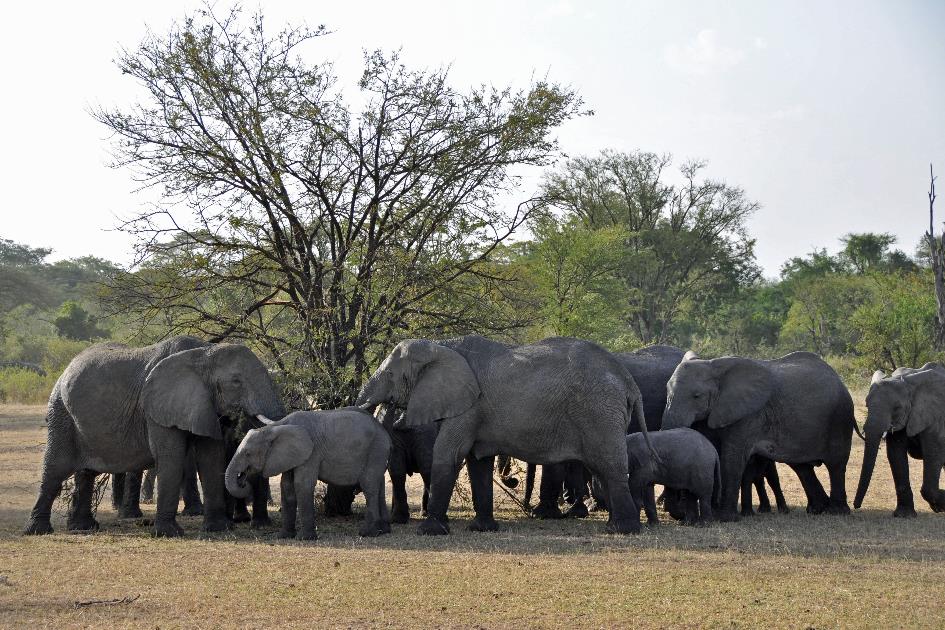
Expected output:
(828, 114)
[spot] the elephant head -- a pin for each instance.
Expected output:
(722, 391)
(191, 390)
(912, 401)
(429, 381)
(269, 451)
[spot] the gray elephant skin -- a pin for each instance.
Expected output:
(908, 408)
(687, 461)
(342, 446)
(556, 400)
(120, 409)
(794, 410)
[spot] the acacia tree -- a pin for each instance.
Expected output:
(685, 242)
(290, 218)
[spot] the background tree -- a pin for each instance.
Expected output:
(936, 253)
(684, 242)
(312, 228)
(74, 322)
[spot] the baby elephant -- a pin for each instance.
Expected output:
(344, 447)
(687, 461)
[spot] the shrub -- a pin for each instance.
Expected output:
(19, 386)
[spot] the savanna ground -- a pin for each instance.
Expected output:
(792, 570)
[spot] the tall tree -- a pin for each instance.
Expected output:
(685, 241)
(286, 205)
(937, 262)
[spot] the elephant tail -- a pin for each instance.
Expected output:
(529, 484)
(641, 420)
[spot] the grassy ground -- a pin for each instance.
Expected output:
(773, 570)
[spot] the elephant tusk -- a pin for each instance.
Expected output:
(264, 419)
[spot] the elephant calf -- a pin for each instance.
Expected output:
(687, 461)
(343, 447)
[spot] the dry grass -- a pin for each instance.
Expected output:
(784, 571)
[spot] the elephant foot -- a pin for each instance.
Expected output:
(623, 526)
(784, 509)
(838, 508)
(433, 527)
(906, 511)
(483, 525)
(241, 515)
(374, 529)
(217, 525)
(286, 533)
(749, 512)
(653, 522)
(192, 510)
(727, 516)
(332, 509)
(167, 529)
(578, 510)
(307, 534)
(400, 514)
(764, 509)
(134, 512)
(547, 510)
(83, 525)
(38, 527)
(261, 522)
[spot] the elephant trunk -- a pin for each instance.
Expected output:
(235, 478)
(873, 438)
(369, 397)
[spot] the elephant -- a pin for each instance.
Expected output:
(411, 452)
(343, 446)
(794, 409)
(130, 489)
(687, 461)
(120, 409)
(556, 400)
(907, 407)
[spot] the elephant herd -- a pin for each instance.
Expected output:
(601, 424)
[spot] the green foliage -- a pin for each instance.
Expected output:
(24, 387)
(75, 323)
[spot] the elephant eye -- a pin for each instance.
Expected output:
(697, 394)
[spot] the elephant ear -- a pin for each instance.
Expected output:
(176, 395)
(690, 355)
(878, 375)
(291, 445)
(445, 386)
(928, 401)
(744, 389)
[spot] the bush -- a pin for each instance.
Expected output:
(24, 387)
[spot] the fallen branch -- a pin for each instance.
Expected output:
(104, 602)
(512, 496)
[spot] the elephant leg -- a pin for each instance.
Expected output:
(817, 499)
(211, 465)
(376, 519)
(338, 500)
(425, 499)
(452, 445)
(130, 502)
(732, 460)
(898, 457)
(597, 494)
(624, 512)
(58, 464)
(169, 447)
(575, 489)
(80, 512)
(649, 505)
(705, 508)
(480, 479)
(400, 508)
(838, 488)
(774, 480)
(764, 503)
(549, 491)
(748, 478)
(147, 486)
(640, 490)
(690, 504)
(673, 503)
(118, 490)
(260, 502)
(305, 478)
(933, 456)
(190, 491)
(289, 504)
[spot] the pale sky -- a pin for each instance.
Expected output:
(827, 113)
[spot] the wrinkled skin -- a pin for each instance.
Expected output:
(794, 410)
(343, 447)
(687, 461)
(553, 401)
(908, 408)
(118, 409)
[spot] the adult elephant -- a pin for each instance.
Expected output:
(794, 410)
(119, 409)
(908, 408)
(556, 400)
(651, 368)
